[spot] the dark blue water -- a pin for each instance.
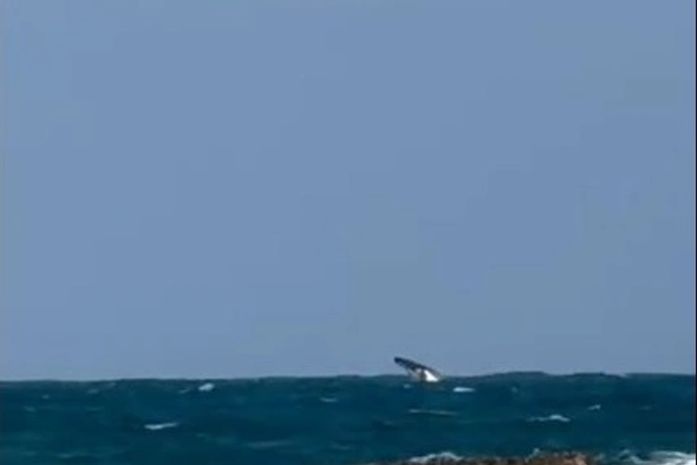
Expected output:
(343, 420)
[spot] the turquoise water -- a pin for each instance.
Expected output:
(343, 420)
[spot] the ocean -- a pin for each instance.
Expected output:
(346, 420)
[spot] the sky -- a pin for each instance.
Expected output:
(260, 187)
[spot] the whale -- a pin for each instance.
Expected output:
(418, 371)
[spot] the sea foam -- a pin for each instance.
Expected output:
(671, 458)
(160, 426)
(440, 457)
(463, 389)
(553, 417)
(206, 387)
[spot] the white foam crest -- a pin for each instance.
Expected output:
(206, 387)
(657, 458)
(595, 407)
(463, 389)
(671, 458)
(328, 400)
(161, 426)
(440, 456)
(553, 417)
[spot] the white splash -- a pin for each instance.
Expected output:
(463, 389)
(553, 417)
(671, 458)
(328, 400)
(595, 407)
(430, 377)
(206, 387)
(160, 426)
(439, 457)
(657, 458)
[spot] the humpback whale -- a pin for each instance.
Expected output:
(418, 371)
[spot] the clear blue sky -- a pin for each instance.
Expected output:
(244, 188)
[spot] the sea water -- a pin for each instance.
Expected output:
(346, 420)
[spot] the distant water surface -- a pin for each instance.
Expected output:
(346, 420)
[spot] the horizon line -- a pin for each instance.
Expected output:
(345, 375)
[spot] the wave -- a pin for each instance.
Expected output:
(206, 387)
(553, 417)
(673, 458)
(440, 457)
(626, 457)
(663, 458)
(463, 389)
(630, 457)
(161, 426)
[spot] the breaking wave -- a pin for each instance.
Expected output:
(435, 458)
(553, 417)
(160, 426)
